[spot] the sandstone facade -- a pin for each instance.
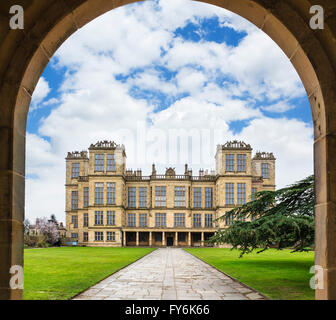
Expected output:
(108, 205)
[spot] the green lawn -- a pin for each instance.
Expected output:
(60, 273)
(277, 274)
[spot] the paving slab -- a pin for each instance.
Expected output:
(169, 274)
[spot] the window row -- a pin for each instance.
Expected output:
(110, 193)
(99, 236)
(230, 163)
(160, 196)
(161, 220)
(110, 163)
(230, 191)
(99, 195)
(98, 220)
(229, 219)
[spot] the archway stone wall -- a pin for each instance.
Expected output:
(48, 23)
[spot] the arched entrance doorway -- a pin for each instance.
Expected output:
(25, 53)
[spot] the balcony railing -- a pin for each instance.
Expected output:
(167, 177)
(160, 177)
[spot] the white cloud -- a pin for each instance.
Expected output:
(41, 92)
(93, 105)
(291, 141)
(279, 107)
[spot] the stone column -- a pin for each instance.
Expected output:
(202, 239)
(325, 215)
(137, 238)
(176, 239)
(189, 239)
(124, 238)
(150, 238)
(163, 239)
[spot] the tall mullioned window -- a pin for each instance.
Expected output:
(99, 162)
(75, 170)
(142, 197)
(99, 193)
(86, 220)
(85, 236)
(229, 164)
(74, 200)
(110, 163)
(229, 219)
(241, 199)
(110, 216)
(74, 221)
(131, 197)
(86, 197)
(208, 198)
(110, 236)
(179, 220)
(254, 194)
(99, 236)
(197, 197)
(229, 193)
(208, 220)
(99, 218)
(131, 222)
(160, 196)
(265, 170)
(110, 193)
(179, 194)
(197, 220)
(241, 162)
(142, 220)
(160, 219)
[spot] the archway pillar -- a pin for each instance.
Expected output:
(12, 186)
(325, 215)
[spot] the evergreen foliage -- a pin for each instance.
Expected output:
(282, 218)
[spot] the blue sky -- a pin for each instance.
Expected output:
(164, 66)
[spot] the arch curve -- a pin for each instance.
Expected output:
(25, 53)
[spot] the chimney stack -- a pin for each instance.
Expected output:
(153, 170)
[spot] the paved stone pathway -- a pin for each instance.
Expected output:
(169, 274)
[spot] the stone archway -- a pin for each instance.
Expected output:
(48, 23)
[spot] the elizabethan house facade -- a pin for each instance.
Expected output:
(108, 205)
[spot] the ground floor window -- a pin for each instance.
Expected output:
(110, 236)
(160, 219)
(74, 220)
(131, 220)
(179, 219)
(229, 219)
(99, 236)
(85, 236)
(74, 235)
(208, 220)
(110, 218)
(197, 220)
(99, 218)
(143, 220)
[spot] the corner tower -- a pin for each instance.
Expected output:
(234, 158)
(107, 158)
(263, 165)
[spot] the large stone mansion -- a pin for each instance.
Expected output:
(108, 205)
